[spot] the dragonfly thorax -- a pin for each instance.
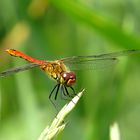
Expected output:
(59, 72)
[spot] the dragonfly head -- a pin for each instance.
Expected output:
(69, 78)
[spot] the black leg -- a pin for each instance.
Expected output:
(53, 91)
(62, 89)
(73, 90)
(63, 93)
(51, 95)
(57, 91)
(67, 91)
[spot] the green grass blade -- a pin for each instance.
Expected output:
(58, 124)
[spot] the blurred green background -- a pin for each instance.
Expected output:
(52, 30)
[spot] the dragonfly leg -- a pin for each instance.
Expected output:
(63, 94)
(56, 86)
(66, 90)
(67, 93)
(73, 91)
(53, 91)
(62, 89)
(57, 91)
(71, 96)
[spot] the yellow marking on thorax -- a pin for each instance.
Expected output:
(54, 69)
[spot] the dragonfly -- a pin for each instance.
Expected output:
(62, 70)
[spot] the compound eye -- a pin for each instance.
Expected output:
(69, 78)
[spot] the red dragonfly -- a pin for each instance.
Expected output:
(59, 71)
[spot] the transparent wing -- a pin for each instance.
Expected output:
(95, 61)
(100, 56)
(92, 64)
(18, 69)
